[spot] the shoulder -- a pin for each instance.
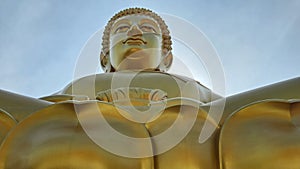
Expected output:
(173, 85)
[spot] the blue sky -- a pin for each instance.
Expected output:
(40, 40)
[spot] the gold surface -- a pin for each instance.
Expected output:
(261, 135)
(136, 42)
(54, 138)
(250, 138)
(188, 153)
(63, 97)
(46, 133)
(149, 46)
(285, 90)
(7, 122)
(171, 84)
(20, 106)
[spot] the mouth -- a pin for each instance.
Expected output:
(134, 41)
(134, 53)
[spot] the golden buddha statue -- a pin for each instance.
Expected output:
(138, 116)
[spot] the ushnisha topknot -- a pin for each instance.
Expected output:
(166, 38)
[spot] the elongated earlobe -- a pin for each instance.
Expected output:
(167, 62)
(104, 61)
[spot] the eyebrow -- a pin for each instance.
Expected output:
(127, 21)
(151, 22)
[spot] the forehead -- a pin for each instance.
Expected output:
(136, 18)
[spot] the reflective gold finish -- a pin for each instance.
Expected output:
(63, 97)
(20, 106)
(286, 90)
(262, 135)
(90, 86)
(53, 138)
(189, 153)
(145, 30)
(7, 122)
(48, 133)
(135, 43)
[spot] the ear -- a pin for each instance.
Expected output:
(167, 62)
(104, 61)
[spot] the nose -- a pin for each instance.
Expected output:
(134, 31)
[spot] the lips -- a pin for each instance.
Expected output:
(134, 41)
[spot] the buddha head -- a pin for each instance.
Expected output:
(136, 39)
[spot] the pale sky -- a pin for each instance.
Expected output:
(258, 42)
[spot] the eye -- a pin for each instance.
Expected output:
(148, 28)
(121, 28)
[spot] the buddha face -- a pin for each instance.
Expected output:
(136, 42)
